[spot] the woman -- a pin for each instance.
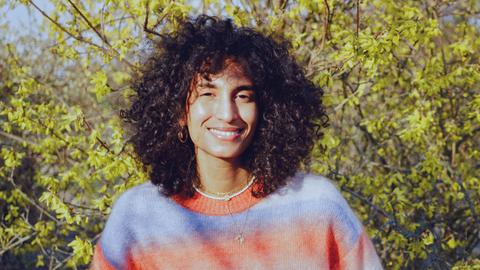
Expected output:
(225, 118)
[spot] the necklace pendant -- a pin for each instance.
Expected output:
(240, 239)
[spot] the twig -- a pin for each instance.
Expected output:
(145, 24)
(104, 144)
(81, 39)
(85, 29)
(17, 243)
(100, 35)
(397, 227)
(64, 29)
(358, 18)
(16, 138)
(10, 178)
(326, 24)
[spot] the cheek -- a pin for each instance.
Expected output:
(197, 114)
(250, 115)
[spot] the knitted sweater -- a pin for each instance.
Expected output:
(304, 225)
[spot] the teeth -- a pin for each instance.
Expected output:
(224, 133)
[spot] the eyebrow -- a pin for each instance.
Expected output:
(238, 88)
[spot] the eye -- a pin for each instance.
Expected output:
(245, 97)
(206, 94)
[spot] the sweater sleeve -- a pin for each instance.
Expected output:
(112, 249)
(99, 261)
(362, 256)
(349, 246)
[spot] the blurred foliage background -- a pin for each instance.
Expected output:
(402, 85)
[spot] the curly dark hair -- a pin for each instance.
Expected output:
(291, 114)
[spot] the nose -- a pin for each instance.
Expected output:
(226, 109)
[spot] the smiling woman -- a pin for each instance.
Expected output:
(222, 113)
(225, 118)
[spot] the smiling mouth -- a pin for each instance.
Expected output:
(227, 135)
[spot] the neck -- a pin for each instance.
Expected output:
(221, 175)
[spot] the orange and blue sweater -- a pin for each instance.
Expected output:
(304, 225)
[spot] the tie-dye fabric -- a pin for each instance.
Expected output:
(305, 225)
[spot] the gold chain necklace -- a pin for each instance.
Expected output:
(226, 196)
(240, 238)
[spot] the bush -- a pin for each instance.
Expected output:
(402, 81)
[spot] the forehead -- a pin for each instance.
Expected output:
(231, 72)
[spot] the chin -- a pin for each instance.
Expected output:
(227, 154)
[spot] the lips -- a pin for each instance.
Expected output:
(226, 134)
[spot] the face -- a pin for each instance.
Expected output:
(222, 114)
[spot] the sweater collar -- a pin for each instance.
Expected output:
(201, 204)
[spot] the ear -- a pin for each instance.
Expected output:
(183, 118)
(182, 121)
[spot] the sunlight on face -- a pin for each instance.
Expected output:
(222, 113)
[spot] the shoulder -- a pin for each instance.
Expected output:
(325, 199)
(308, 187)
(118, 233)
(137, 199)
(312, 186)
(323, 192)
(317, 197)
(135, 205)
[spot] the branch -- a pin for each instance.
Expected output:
(26, 197)
(358, 19)
(392, 220)
(100, 35)
(16, 243)
(104, 144)
(283, 5)
(326, 24)
(467, 197)
(468, 136)
(81, 39)
(145, 24)
(16, 138)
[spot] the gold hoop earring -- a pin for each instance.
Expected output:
(182, 135)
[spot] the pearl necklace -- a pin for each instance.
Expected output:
(223, 196)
